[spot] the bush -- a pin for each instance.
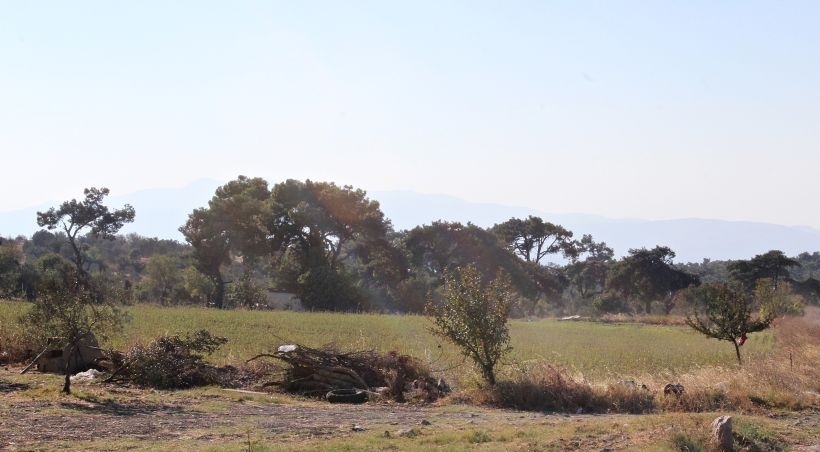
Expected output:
(474, 316)
(173, 361)
(546, 387)
(543, 388)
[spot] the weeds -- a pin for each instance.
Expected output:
(683, 442)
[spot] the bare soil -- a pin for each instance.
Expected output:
(34, 416)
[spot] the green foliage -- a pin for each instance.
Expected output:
(773, 265)
(440, 247)
(68, 308)
(198, 287)
(648, 275)
(474, 317)
(776, 300)
(587, 277)
(245, 292)
(173, 362)
(236, 222)
(609, 303)
(318, 226)
(163, 279)
(726, 313)
(533, 238)
(10, 269)
(75, 216)
(70, 304)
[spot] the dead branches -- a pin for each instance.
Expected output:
(317, 371)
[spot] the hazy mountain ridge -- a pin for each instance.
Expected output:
(161, 211)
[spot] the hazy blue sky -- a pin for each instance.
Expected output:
(639, 109)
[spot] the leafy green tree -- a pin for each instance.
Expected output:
(649, 275)
(589, 267)
(773, 265)
(316, 227)
(777, 300)
(11, 269)
(246, 292)
(237, 222)
(726, 313)
(533, 238)
(197, 286)
(211, 249)
(163, 278)
(70, 305)
(89, 215)
(443, 246)
(474, 317)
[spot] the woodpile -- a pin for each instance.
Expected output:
(316, 371)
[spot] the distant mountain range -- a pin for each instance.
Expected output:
(161, 211)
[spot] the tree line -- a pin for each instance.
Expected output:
(333, 248)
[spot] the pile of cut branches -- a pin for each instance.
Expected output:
(316, 371)
(170, 362)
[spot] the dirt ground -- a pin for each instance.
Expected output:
(34, 416)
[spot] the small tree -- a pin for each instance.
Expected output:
(474, 317)
(70, 305)
(726, 314)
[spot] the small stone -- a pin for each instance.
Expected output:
(407, 433)
(722, 433)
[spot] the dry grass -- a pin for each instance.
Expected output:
(788, 378)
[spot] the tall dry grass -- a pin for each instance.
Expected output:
(786, 378)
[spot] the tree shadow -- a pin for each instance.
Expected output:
(6, 387)
(120, 408)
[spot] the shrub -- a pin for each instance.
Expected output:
(474, 317)
(173, 361)
(543, 388)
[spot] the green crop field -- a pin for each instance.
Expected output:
(597, 351)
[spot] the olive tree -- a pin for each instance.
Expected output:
(473, 315)
(70, 304)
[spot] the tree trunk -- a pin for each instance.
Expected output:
(737, 351)
(219, 296)
(67, 384)
(488, 373)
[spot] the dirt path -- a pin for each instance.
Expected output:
(215, 416)
(110, 418)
